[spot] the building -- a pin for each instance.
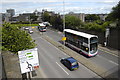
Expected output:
(81, 16)
(24, 17)
(11, 12)
(39, 14)
(102, 16)
(5, 17)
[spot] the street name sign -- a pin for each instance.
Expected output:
(28, 60)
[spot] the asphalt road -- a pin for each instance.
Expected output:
(103, 59)
(50, 66)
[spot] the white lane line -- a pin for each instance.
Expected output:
(36, 38)
(62, 69)
(113, 62)
(107, 59)
(55, 47)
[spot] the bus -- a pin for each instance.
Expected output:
(87, 44)
(42, 27)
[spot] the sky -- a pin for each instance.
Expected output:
(76, 6)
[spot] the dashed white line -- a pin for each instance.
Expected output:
(62, 68)
(113, 62)
(55, 47)
(108, 60)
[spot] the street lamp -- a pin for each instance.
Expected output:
(64, 20)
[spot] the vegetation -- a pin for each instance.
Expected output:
(56, 22)
(23, 25)
(72, 22)
(115, 14)
(46, 16)
(33, 17)
(92, 17)
(14, 39)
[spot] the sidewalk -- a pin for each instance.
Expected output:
(109, 50)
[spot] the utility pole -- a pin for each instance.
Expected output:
(64, 21)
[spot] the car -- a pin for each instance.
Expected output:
(26, 28)
(70, 63)
(30, 31)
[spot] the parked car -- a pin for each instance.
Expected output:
(26, 28)
(70, 63)
(30, 31)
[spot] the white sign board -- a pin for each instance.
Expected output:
(28, 60)
(107, 32)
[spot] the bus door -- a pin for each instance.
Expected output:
(79, 43)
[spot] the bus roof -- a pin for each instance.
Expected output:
(79, 33)
(41, 24)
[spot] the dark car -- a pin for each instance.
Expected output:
(70, 63)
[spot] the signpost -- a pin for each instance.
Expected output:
(106, 36)
(64, 39)
(28, 60)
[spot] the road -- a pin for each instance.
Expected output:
(50, 66)
(103, 59)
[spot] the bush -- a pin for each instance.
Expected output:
(14, 39)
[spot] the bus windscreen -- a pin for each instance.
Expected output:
(94, 40)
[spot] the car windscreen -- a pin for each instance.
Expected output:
(74, 63)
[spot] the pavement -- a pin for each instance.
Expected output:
(109, 50)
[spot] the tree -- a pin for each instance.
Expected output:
(46, 16)
(115, 14)
(56, 22)
(92, 17)
(95, 26)
(14, 39)
(33, 17)
(72, 21)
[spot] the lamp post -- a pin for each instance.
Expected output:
(64, 21)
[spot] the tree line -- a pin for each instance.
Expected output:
(92, 21)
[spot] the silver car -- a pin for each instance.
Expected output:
(30, 31)
(26, 28)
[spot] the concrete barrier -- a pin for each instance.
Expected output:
(11, 65)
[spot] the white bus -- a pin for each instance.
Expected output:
(85, 43)
(42, 27)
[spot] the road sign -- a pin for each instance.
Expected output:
(63, 38)
(107, 32)
(28, 60)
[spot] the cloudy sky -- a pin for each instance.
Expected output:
(77, 6)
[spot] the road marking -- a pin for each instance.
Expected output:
(55, 47)
(109, 52)
(113, 62)
(108, 60)
(62, 69)
(36, 38)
